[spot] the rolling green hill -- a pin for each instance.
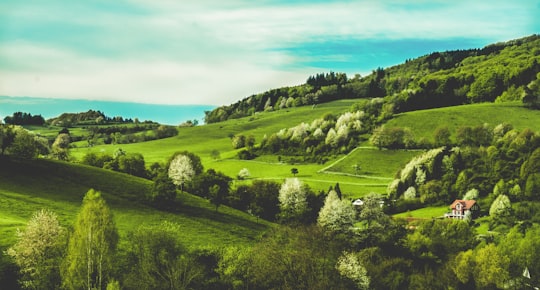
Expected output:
(377, 167)
(28, 186)
(424, 122)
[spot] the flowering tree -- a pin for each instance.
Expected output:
(292, 200)
(350, 266)
(181, 170)
(336, 215)
(38, 251)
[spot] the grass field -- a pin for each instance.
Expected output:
(423, 123)
(28, 186)
(377, 167)
(425, 213)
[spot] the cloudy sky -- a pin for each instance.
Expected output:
(217, 52)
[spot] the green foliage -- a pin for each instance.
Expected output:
(60, 147)
(163, 192)
(24, 145)
(349, 265)
(92, 246)
(38, 251)
(293, 201)
(158, 260)
(20, 118)
(292, 258)
(491, 268)
(336, 216)
(435, 80)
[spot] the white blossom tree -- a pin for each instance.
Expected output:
(181, 170)
(336, 215)
(500, 207)
(244, 173)
(471, 194)
(350, 266)
(410, 193)
(38, 251)
(292, 199)
(331, 137)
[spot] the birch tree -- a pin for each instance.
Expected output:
(92, 245)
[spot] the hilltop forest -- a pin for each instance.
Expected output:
(338, 183)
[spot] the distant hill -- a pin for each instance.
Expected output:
(499, 71)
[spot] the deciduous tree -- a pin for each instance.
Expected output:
(292, 200)
(60, 147)
(350, 266)
(38, 251)
(336, 216)
(181, 170)
(92, 245)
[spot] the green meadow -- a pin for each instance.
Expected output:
(376, 167)
(424, 122)
(28, 186)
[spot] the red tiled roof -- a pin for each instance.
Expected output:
(466, 203)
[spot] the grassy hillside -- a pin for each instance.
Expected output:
(376, 167)
(423, 123)
(27, 186)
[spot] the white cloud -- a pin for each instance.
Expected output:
(213, 51)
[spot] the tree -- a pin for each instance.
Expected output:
(163, 191)
(238, 141)
(491, 267)
(471, 194)
(265, 203)
(91, 250)
(500, 207)
(24, 144)
(181, 170)
(294, 171)
(243, 174)
(38, 251)
(336, 216)
(7, 136)
(292, 200)
(215, 154)
(213, 185)
(158, 260)
(60, 147)
(132, 163)
(442, 136)
(349, 265)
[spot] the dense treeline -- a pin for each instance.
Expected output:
(343, 249)
(90, 117)
(20, 118)
(498, 72)
(489, 161)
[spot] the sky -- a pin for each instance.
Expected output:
(217, 52)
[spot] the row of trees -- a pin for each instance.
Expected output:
(20, 118)
(341, 249)
(21, 143)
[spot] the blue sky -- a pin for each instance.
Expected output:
(217, 52)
